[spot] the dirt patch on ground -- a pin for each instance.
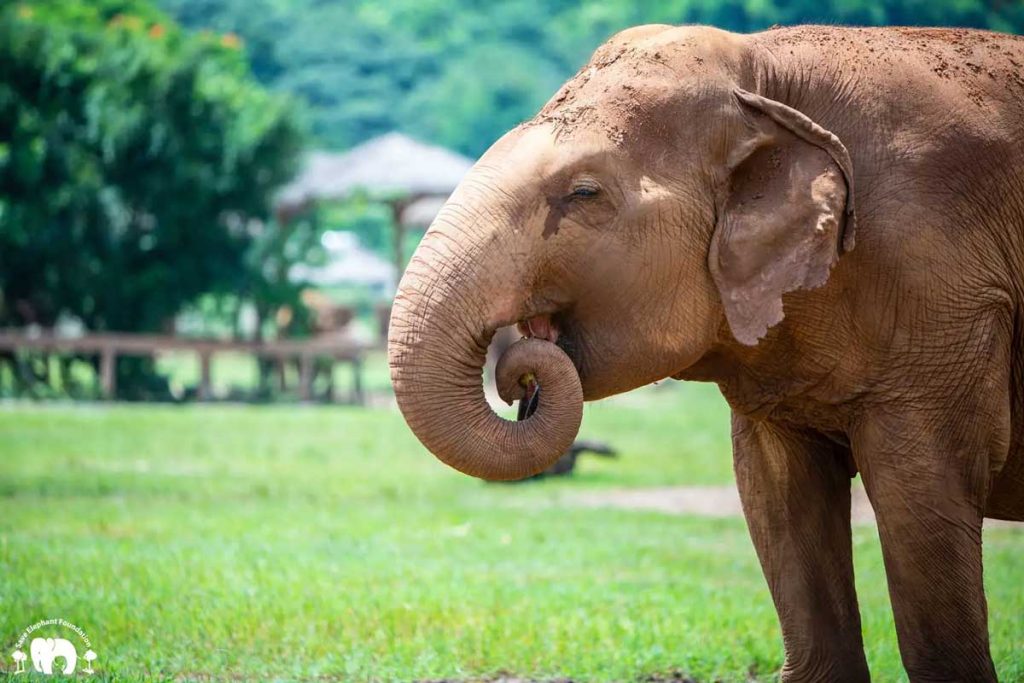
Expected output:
(703, 501)
(501, 679)
(657, 678)
(710, 501)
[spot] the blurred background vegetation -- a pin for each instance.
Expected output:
(143, 142)
(462, 72)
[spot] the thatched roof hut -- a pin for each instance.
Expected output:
(393, 168)
(385, 167)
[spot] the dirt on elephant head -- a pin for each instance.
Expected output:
(613, 91)
(628, 73)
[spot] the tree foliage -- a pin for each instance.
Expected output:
(461, 72)
(137, 163)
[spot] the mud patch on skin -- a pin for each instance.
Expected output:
(556, 212)
(602, 95)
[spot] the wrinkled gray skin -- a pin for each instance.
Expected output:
(829, 224)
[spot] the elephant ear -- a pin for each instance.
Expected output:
(785, 217)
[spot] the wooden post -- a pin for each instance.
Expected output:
(282, 373)
(383, 312)
(397, 207)
(205, 389)
(67, 383)
(108, 373)
(306, 376)
(359, 398)
(330, 380)
(261, 375)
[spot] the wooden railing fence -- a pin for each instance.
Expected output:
(110, 346)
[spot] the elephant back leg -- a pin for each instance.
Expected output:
(1006, 500)
(928, 456)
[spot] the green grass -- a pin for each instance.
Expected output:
(299, 542)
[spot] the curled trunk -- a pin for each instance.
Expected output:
(439, 332)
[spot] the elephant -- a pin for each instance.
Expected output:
(826, 222)
(45, 650)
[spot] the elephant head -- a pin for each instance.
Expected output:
(46, 650)
(656, 205)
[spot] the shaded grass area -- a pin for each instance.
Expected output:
(299, 542)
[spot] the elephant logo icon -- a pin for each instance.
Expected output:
(45, 650)
(51, 654)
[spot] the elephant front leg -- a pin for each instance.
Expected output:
(795, 489)
(927, 474)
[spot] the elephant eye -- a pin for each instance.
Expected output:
(583, 190)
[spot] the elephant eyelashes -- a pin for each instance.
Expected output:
(584, 191)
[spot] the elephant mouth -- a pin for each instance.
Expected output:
(560, 329)
(541, 326)
(552, 327)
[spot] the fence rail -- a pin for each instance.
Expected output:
(110, 346)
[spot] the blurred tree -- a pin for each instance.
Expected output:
(459, 109)
(133, 160)
(137, 163)
(462, 72)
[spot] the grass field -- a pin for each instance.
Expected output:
(289, 542)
